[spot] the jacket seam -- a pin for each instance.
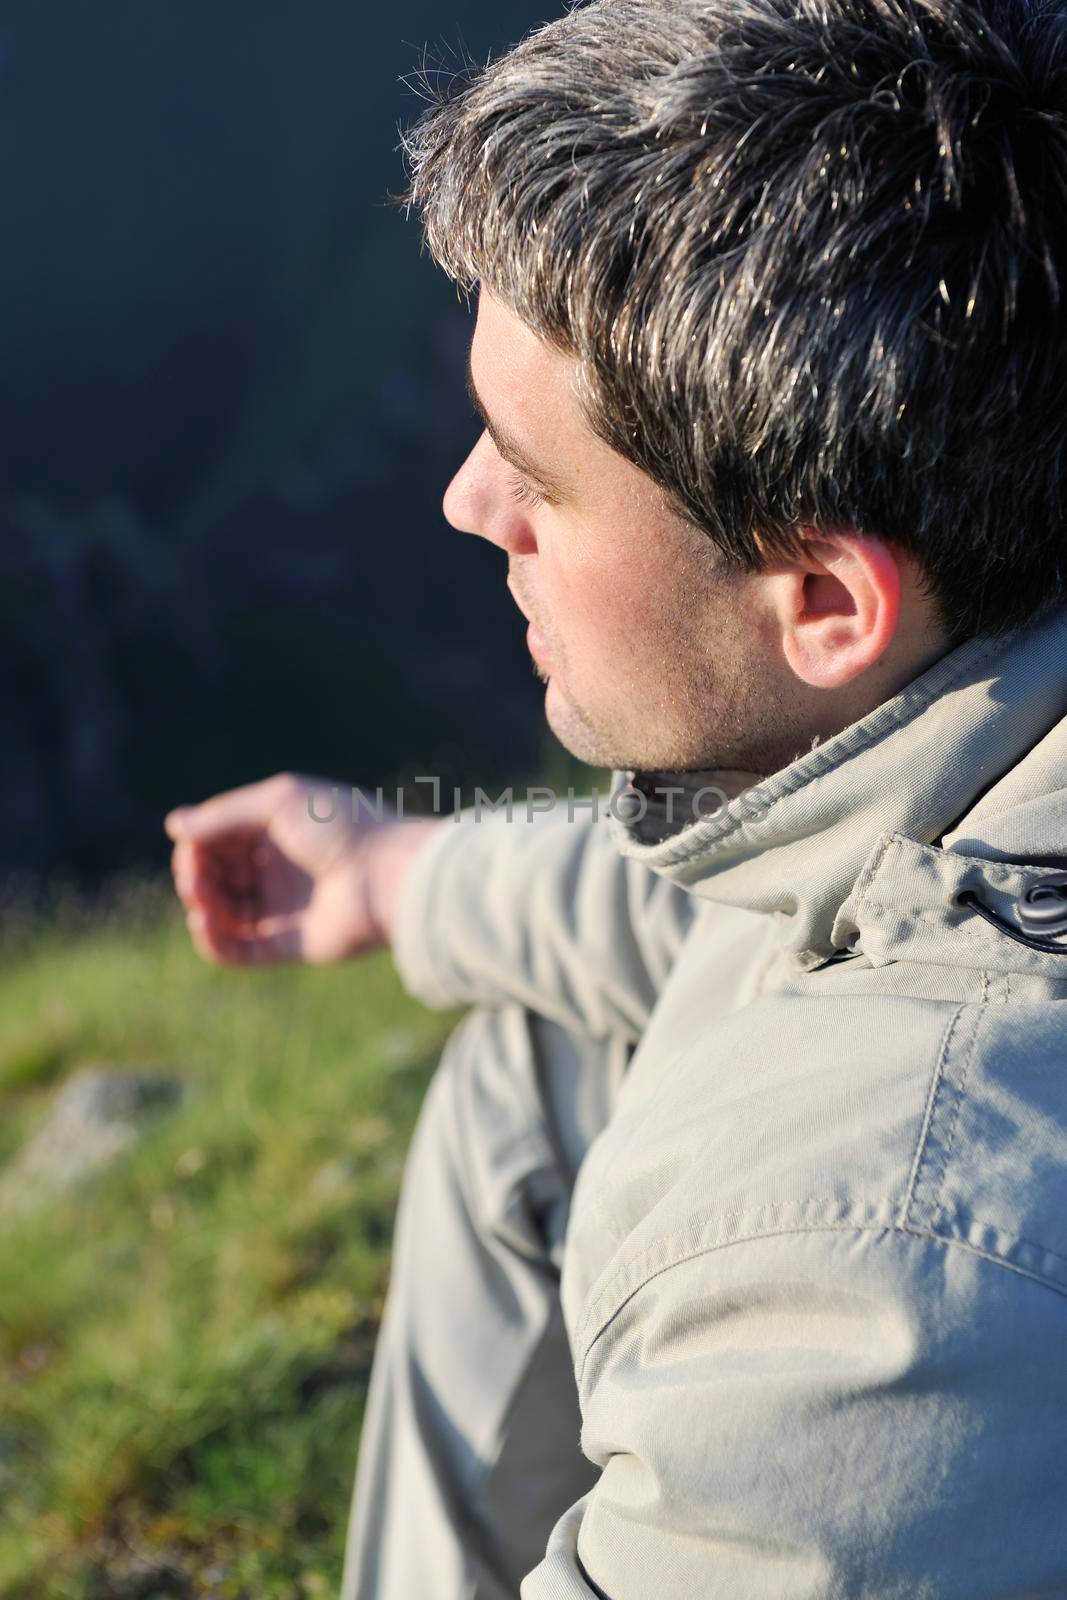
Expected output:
(932, 1098)
(929, 915)
(733, 1220)
(968, 1216)
(867, 877)
(994, 871)
(888, 1227)
(942, 1084)
(960, 1090)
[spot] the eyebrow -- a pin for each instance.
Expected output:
(509, 448)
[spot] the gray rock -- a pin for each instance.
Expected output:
(96, 1115)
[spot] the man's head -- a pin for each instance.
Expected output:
(770, 290)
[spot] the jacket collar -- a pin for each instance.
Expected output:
(962, 757)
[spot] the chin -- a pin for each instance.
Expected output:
(577, 732)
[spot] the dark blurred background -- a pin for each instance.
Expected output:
(232, 395)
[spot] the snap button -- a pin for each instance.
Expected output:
(1042, 907)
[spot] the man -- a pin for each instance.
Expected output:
(770, 354)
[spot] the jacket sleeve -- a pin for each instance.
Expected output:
(849, 1414)
(540, 909)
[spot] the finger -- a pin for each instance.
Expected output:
(232, 862)
(210, 940)
(249, 807)
(254, 947)
(181, 866)
(224, 867)
(196, 873)
(202, 886)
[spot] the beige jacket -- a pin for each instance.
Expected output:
(817, 1262)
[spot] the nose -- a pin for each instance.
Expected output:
(479, 500)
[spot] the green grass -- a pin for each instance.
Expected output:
(185, 1341)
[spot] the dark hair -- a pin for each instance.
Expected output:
(808, 255)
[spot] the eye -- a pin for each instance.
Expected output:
(525, 492)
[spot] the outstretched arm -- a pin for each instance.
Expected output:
(538, 908)
(543, 910)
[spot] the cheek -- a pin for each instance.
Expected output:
(593, 600)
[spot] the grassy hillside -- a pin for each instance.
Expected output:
(185, 1339)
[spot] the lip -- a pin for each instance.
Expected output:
(537, 644)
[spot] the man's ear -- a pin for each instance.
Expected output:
(837, 605)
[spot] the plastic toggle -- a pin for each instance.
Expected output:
(1042, 907)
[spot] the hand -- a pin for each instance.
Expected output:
(263, 881)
